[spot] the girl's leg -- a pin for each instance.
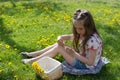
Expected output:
(37, 53)
(52, 53)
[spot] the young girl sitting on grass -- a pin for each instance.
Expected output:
(87, 47)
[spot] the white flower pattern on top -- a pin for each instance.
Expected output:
(94, 43)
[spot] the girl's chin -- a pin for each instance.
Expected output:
(81, 35)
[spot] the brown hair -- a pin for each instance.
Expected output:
(89, 25)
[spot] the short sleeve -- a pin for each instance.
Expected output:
(92, 43)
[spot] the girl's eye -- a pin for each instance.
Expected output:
(80, 28)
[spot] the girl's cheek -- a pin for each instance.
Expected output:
(78, 32)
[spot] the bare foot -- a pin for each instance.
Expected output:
(29, 55)
(27, 61)
(26, 54)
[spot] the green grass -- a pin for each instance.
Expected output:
(34, 25)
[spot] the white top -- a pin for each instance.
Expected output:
(94, 43)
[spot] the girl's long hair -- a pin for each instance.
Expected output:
(89, 25)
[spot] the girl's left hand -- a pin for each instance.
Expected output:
(70, 51)
(61, 43)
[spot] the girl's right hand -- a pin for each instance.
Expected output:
(59, 38)
(60, 41)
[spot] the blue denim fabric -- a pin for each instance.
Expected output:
(72, 70)
(79, 65)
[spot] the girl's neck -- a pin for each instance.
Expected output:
(81, 37)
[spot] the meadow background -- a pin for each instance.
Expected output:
(30, 25)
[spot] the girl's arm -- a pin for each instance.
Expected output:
(65, 37)
(90, 60)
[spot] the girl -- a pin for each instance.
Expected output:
(87, 44)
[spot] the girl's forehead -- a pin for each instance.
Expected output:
(78, 23)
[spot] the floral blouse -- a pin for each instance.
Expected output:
(94, 43)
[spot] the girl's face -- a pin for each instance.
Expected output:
(79, 28)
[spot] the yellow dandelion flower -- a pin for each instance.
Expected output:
(37, 67)
(110, 22)
(34, 64)
(38, 42)
(42, 70)
(67, 17)
(110, 49)
(47, 39)
(46, 8)
(1, 70)
(113, 20)
(45, 77)
(52, 35)
(57, 19)
(7, 46)
(0, 44)
(15, 49)
(28, 9)
(67, 20)
(49, 24)
(105, 52)
(9, 63)
(16, 77)
(46, 18)
(96, 19)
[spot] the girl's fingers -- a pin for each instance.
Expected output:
(67, 49)
(60, 43)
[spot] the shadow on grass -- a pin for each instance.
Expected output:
(46, 7)
(106, 73)
(13, 0)
(110, 38)
(114, 3)
(5, 37)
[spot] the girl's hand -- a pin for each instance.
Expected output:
(70, 51)
(60, 41)
(60, 38)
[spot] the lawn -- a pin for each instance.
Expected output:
(30, 25)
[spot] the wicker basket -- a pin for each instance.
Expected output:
(52, 68)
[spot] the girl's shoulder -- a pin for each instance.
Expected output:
(96, 37)
(94, 42)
